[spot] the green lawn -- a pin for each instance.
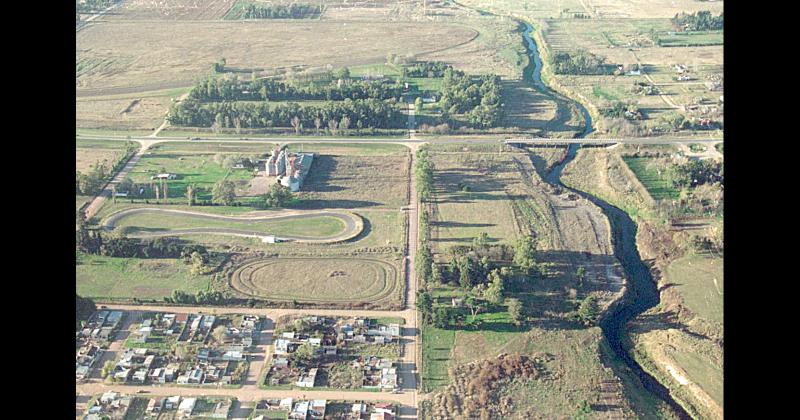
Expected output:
(700, 280)
(373, 69)
(106, 277)
(199, 169)
(355, 149)
(658, 186)
(437, 345)
(82, 143)
(322, 226)
(603, 94)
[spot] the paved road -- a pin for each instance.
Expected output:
(491, 139)
(352, 223)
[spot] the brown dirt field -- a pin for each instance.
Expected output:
(144, 113)
(155, 54)
(85, 158)
(172, 9)
(339, 181)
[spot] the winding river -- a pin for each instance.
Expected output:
(641, 292)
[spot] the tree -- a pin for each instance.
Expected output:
(190, 194)
(524, 253)
(425, 306)
(480, 241)
(436, 274)
(198, 263)
(332, 125)
(584, 409)
(494, 293)
(442, 317)
(418, 104)
(474, 304)
(515, 310)
(108, 367)
(296, 124)
(219, 334)
(342, 74)
(423, 262)
(278, 196)
(224, 192)
(304, 354)
(581, 274)
(317, 124)
(344, 124)
(588, 311)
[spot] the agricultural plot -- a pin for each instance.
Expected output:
(659, 187)
(172, 10)
(249, 46)
(91, 152)
(121, 114)
(321, 280)
(356, 177)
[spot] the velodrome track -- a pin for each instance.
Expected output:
(352, 222)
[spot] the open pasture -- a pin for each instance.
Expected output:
(128, 113)
(90, 152)
(700, 281)
(171, 9)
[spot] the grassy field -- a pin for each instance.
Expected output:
(127, 113)
(470, 190)
(198, 169)
(658, 186)
(323, 226)
(700, 281)
(437, 345)
(107, 277)
(350, 281)
(690, 39)
(173, 9)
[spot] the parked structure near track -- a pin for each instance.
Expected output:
(290, 168)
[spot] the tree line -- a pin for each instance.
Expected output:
(427, 69)
(215, 89)
(282, 11)
(359, 114)
(698, 21)
(580, 62)
(477, 96)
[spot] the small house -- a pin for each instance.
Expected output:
(307, 380)
(186, 407)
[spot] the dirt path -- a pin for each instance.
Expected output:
(353, 223)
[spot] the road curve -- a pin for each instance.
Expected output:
(353, 223)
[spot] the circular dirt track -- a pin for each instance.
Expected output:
(317, 280)
(353, 224)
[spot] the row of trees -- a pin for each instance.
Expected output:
(282, 11)
(427, 69)
(92, 183)
(359, 113)
(201, 297)
(478, 96)
(696, 172)
(698, 21)
(215, 89)
(579, 62)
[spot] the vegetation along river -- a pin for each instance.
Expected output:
(641, 292)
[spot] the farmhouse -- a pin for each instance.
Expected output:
(164, 176)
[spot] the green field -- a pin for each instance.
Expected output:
(437, 345)
(700, 280)
(191, 168)
(107, 277)
(691, 39)
(322, 226)
(658, 186)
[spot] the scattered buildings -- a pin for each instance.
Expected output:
(114, 406)
(98, 331)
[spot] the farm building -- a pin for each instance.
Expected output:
(290, 168)
(164, 176)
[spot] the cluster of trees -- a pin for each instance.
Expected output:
(427, 69)
(359, 113)
(699, 21)
(281, 11)
(423, 172)
(579, 62)
(215, 89)
(278, 196)
(628, 111)
(93, 241)
(696, 172)
(587, 312)
(84, 308)
(477, 96)
(201, 298)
